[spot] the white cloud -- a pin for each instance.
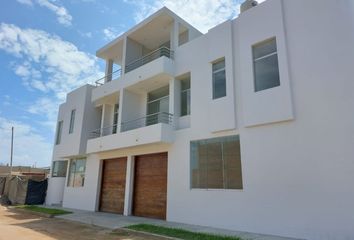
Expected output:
(111, 33)
(202, 14)
(65, 66)
(29, 147)
(47, 107)
(61, 12)
(26, 2)
(48, 64)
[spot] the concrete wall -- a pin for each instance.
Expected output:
(296, 139)
(86, 119)
(134, 106)
(55, 192)
(295, 173)
(75, 143)
(85, 197)
(134, 51)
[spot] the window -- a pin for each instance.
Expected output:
(219, 79)
(265, 64)
(158, 102)
(72, 121)
(77, 172)
(216, 163)
(59, 130)
(186, 96)
(59, 168)
(115, 118)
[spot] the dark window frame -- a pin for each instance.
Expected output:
(214, 74)
(72, 121)
(257, 58)
(59, 168)
(60, 125)
(186, 93)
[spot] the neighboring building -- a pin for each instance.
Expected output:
(23, 170)
(248, 127)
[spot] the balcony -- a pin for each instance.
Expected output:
(148, 120)
(151, 129)
(107, 86)
(163, 51)
(113, 76)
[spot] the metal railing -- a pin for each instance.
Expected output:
(114, 75)
(163, 51)
(105, 131)
(151, 119)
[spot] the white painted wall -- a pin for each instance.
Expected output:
(296, 139)
(296, 174)
(55, 191)
(86, 119)
(134, 105)
(85, 197)
(134, 51)
(75, 143)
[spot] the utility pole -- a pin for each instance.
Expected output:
(12, 148)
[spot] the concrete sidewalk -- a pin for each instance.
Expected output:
(114, 221)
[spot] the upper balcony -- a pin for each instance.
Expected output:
(160, 52)
(144, 51)
(143, 114)
(151, 129)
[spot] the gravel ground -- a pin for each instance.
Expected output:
(18, 225)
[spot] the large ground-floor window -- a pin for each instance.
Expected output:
(216, 163)
(77, 172)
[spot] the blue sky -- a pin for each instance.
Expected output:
(47, 48)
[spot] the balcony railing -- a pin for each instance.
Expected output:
(163, 51)
(114, 75)
(105, 131)
(151, 119)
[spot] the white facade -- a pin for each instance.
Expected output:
(296, 139)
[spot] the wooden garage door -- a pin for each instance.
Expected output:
(150, 186)
(113, 185)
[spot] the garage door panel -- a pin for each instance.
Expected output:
(113, 185)
(150, 186)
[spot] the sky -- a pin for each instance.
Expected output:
(47, 49)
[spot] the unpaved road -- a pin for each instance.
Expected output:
(17, 225)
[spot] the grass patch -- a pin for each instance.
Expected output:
(51, 211)
(178, 233)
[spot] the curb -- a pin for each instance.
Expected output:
(147, 233)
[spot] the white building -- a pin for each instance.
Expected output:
(248, 127)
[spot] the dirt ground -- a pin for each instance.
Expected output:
(18, 225)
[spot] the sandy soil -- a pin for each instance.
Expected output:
(17, 225)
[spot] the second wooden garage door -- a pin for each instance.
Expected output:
(113, 185)
(150, 186)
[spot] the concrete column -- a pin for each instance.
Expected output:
(109, 68)
(177, 101)
(107, 119)
(102, 119)
(120, 110)
(174, 36)
(129, 187)
(174, 99)
(124, 56)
